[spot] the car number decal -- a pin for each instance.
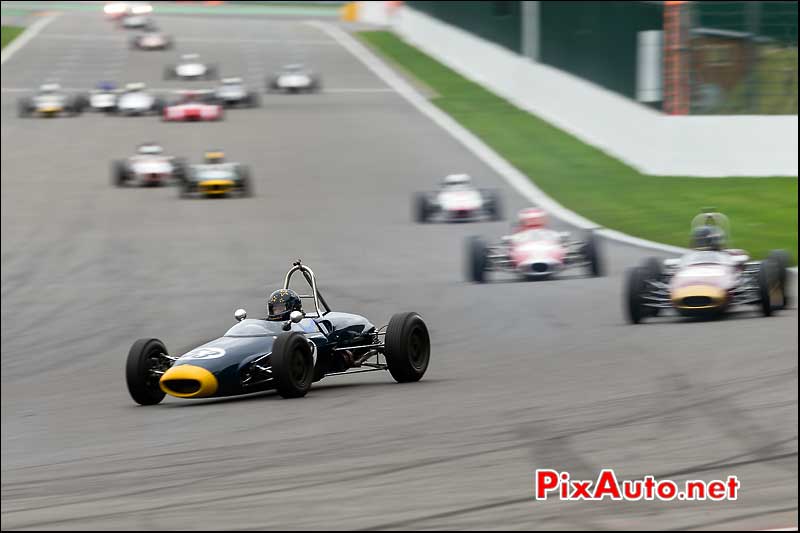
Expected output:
(204, 353)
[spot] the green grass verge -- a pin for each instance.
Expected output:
(763, 211)
(8, 33)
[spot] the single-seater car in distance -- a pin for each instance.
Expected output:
(233, 92)
(103, 97)
(149, 166)
(51, 101)
(457, 200)
(190, 67)
(295, 78)
(532, 251)
(708, 280)
(133, 21)
(135, 100)
(151, 39)
(193, 106)
(116, 10)
(287, 350)
(217, 178)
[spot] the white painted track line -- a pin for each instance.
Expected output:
(23, 39)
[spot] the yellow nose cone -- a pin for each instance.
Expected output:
(699, 297)
(188, 381)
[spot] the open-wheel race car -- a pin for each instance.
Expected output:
(457, 200)
(532, 251)
(709, 280)
(150, 166)
(151, 39)
(51, 101)
(193, 106)
(217, 178)
(294, 78)
(103, 97)
(135, 100)
(287, 351)
(190, 67)
(233, 92)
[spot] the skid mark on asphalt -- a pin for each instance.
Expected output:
(369, 473)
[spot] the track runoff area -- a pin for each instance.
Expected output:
(523, 377)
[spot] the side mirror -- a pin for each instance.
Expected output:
(296, 316)
(240, 314)
(672, 263)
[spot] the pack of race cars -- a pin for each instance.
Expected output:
(133, 99)
(291, 348)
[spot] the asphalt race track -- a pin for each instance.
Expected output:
(523, 375)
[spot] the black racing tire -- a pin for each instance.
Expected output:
(767, 284)
(245, 183)
(591, 253)
(316, 84)
(73, 107)
(653, 267)
(119, 174)
(179, 167)
(407, 347)
(654, 270)
(79, 103)
(211, 72)
(634, 293)
(292, 365)
(134, 43)
(782, 260)
(422, 209)
(169, 72)
(477, 255)
(186, 188)
(24, 107)
(142, 386)
(495, 206)
(253, 99)
(272, 84)
(158, 106)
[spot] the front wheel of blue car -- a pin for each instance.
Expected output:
(408, 347)
(143, 369)
(292, 365)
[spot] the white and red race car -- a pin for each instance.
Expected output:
(532, 251)
(457, 200)
(150, 166)
(193, 106)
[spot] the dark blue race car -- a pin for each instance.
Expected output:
(287, 355)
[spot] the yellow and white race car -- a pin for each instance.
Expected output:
(216, 178)
(51, 101)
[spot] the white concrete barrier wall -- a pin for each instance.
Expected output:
(373, 12)
(651, 142)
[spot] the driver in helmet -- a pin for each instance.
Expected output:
(214, 157)
(708, 238)
(530, 218)
(281, 303)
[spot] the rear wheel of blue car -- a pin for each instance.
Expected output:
(145, 360)
(292, 365)
(408, 347)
